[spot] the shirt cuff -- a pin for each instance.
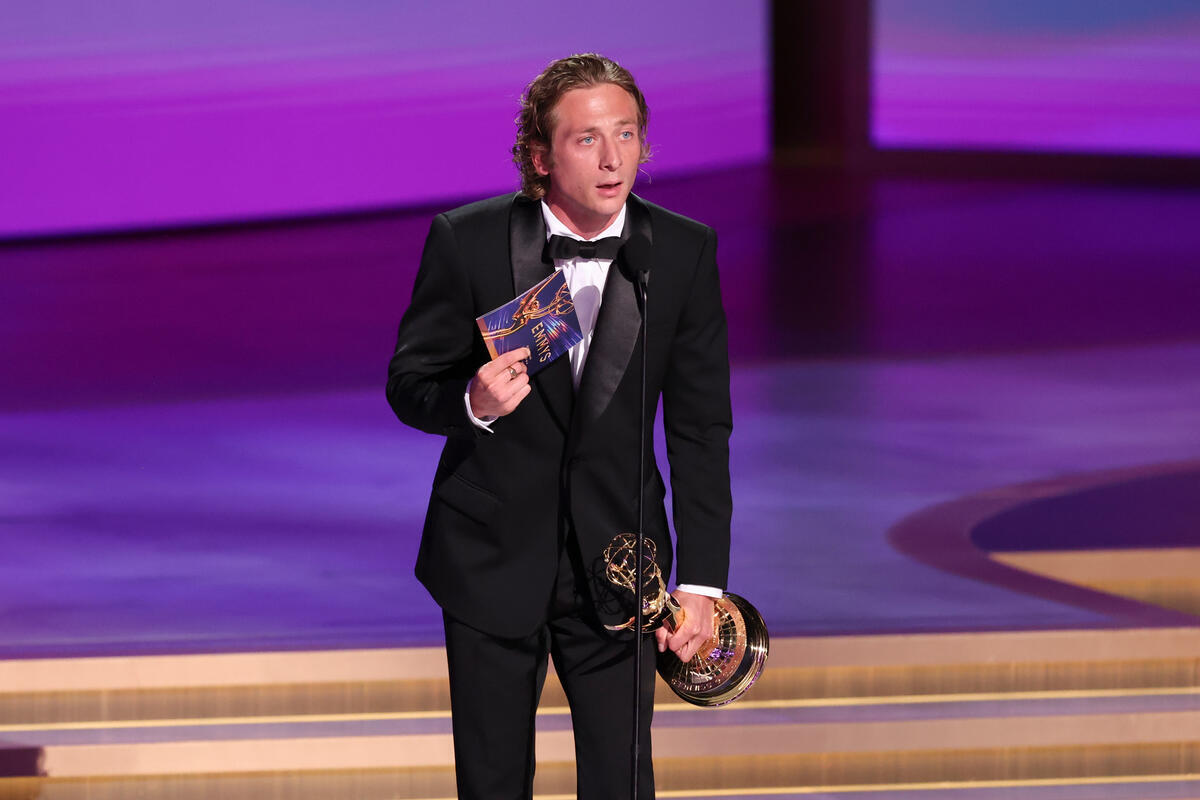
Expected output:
(707, 591)
(482, 424)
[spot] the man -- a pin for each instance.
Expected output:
(538, 474)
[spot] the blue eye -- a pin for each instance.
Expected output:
(587, 140)
(626, 134)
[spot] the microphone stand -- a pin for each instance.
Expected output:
(642, 280)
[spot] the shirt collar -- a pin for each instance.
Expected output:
(554, 226)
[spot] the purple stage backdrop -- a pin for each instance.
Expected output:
(132, 113)
(1109, 76)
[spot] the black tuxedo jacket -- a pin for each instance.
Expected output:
(565, 459)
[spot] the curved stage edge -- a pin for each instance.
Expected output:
(1149, 507)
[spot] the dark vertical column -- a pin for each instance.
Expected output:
(820, 219)
(821, 69)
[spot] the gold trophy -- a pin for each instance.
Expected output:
(727, 665)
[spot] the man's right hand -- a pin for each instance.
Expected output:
(500, 385)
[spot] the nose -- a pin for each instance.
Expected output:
(610, 156)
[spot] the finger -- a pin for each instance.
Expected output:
(691, 632)
(661, 636)
(680, 639)
(503, 381)
(502, 362)
(511, 404)
(501, 387)
(692, 646)
(676, 642)
(689, 628)
(512, 371)
(508, 390)
(497, 374)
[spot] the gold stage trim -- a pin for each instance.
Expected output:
(10, 785)
(1027, 783)
(1166, 577)
(823, 702)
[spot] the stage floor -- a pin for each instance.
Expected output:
(196, 454)
(291, 521)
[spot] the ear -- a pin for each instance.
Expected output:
(541, 159)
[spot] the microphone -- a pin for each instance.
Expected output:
(636, 257)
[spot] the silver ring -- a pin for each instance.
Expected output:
(512, 373)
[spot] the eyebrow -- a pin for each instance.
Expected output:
(620, 124)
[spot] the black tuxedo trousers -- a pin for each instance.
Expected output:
(496, 684)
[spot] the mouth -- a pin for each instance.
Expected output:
(610, 188)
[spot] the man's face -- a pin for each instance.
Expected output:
(593, 158)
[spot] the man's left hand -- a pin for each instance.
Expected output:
(696, 629)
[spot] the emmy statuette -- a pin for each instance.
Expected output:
(728, 665)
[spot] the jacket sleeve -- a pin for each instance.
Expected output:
(436, 348)
(698, 420)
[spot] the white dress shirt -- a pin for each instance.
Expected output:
(585, 278)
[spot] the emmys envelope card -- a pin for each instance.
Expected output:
(542, 319)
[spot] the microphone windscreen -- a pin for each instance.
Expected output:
(636, 252)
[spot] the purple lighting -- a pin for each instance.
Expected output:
(192, 112)
(1063, 76)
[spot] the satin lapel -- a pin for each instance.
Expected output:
(526, 241)
(616, 332)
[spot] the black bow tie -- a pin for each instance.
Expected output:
(566, 247)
